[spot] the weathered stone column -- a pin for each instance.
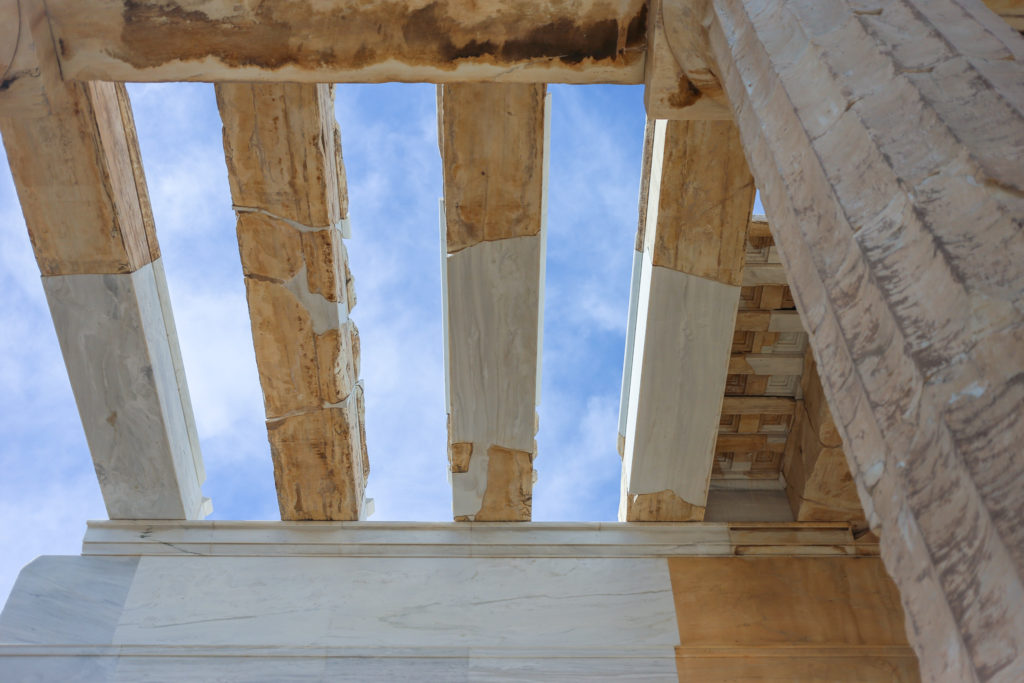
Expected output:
(887, 140)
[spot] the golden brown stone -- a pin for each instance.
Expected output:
(789, 619)
(663, 506)
(80, 185)
(353, 335)
(268, 246)
(323, 256)
(365, 41)
(492, 140)
(459, 455)
(509, 493)
(286, 349)
(704, 205)
(318, 465)
(280, 150)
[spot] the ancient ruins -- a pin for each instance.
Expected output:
(822, 409)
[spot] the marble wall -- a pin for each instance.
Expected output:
(338, 618)
(247, 601)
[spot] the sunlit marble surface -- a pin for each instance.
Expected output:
(403, 602)
(293, 617)
(117, 336)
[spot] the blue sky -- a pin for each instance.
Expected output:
(48, 488)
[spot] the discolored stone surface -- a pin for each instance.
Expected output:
(366, 41)
(663, 506)
(318, 463)
(492, 144)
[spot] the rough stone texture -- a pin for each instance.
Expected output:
(819, 416)
(80, 185)
(458, 456)
(705, 200)
(265, 171)
(1011, 11)
(304, 356)
(661, 506)
(509, 493)
(819, 485)
(670, 90)
(376, 41)
(318, 463)
(645, 183)
(886, 139)
(492, 144)
(25, 33)
(287, 178)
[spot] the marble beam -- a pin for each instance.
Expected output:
(886, 139)
(538, 41)
(690, 253)
(75, 161)
(287, 177)
(493, 140)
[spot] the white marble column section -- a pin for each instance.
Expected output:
(117, 334)
(494, 321)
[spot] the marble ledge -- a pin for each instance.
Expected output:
(472, 667)
(400, 539)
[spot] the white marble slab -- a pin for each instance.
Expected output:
(494, 306)
(67, 600)
(161, 669)
(316, 667)
(118, 342)
(401, 602)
